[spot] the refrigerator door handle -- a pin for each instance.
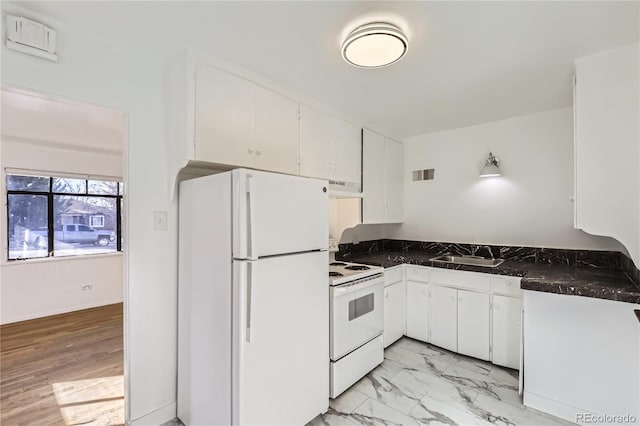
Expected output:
(250, 218)
(248, 280)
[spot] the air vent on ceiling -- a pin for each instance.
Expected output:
(34, 38)
(420, 175)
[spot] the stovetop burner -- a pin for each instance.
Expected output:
(357, 268)
(335, 274)
(337, 264)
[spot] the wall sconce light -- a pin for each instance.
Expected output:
(491, 167)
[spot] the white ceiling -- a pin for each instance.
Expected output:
(468, 62)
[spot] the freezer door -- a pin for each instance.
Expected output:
(281, 339)
(278, 214)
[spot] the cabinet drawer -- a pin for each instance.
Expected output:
(392, 275)
(506, 285)
(461, 279)
(417, 274)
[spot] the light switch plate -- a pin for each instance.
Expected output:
(159, 221)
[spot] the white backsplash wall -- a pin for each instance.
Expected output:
(530, 205)
(365, 233)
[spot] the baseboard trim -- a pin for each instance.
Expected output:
(59, 311)
(157, 417)
(550, 406)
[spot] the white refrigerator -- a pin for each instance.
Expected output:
(253, 299)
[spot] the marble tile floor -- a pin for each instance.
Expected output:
(421, 384)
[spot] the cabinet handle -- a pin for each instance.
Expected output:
(258, 151)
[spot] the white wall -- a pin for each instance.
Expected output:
(41, 288)
(529, 205)
(90, 70)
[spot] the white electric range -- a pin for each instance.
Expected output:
(344, 272)
(356, 324)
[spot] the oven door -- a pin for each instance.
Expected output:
(357, 314)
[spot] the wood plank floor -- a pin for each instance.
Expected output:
(63, 370)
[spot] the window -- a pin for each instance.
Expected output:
(96, 221)
(55, 216)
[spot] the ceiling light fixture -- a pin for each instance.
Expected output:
(491, 167)
(375, 45)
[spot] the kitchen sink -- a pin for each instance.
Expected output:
(468, 260)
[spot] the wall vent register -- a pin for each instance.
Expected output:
(420, 175)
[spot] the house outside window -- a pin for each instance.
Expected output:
(51, 216)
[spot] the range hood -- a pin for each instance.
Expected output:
(339, 189)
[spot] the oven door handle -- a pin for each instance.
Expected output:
(350, 288)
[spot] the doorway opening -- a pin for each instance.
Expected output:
(62, 262)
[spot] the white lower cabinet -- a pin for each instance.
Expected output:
(507, 324)
(474, 331)
(417, 310)
(475, 314)
(443, 318)
(394, 309)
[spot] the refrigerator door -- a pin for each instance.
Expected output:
(278, 214)
(281, 339)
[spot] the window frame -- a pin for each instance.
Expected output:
(50, 194)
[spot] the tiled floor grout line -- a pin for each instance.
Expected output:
(359, 405)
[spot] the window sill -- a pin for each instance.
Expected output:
(58, 259)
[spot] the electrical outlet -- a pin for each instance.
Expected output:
(87, 287)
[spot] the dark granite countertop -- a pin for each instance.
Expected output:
(598, 283)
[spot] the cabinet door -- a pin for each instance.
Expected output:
(418, 310)
(506, 331)
(393, 313)
(394, 174)
(443, 317)
(224, 122)
(315, 142)
(473, 324)
(277, 133)
(346, 152)
(373, 179)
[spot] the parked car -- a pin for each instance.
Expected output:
(72, 234)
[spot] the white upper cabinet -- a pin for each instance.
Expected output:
(607, 146)
(276, 132)
(315, 143)
(238, 123)
(346, 152)
(382, 179)
(220, 116)
(225, 118)
(394, 171)
(373, 179)
(329, 147)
